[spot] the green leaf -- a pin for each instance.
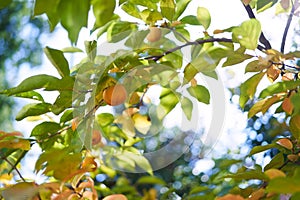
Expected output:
(187, 107)
(190, 19)
(258, 149)
(248, 175)
(248, 88)
(247, 34)
(71, 50)
(212, 74)
(203, 16)
(207, 61)
(198, 189)
(264, 4)
(131, 9)
(44, 130)
(33, 109)
(295, 126)
(136, 39)
(276, 162)
(33, 82)
(67, 116)
(236, 58)
(167, 8)
(105, 119)
(30, 95)
(182, 34)
(142, 162)
(69, 10)
(278, 88)
(103, 11)
(253, 66)
(168, 101)
(62, 102)
(119, 30)
(200, 92)
(151, 16)
(58, 60)
(150, 180)
(50, 8)
(5, 3)
(180, 7)
(148, 4)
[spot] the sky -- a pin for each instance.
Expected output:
(224, 14)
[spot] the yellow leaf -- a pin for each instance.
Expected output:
(142, 123)
(256, 195)
(20, 190)
(293, 157)
(274, 173)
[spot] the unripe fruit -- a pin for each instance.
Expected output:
(154, 34)
(115, 95)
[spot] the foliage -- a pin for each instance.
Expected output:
(72, 139)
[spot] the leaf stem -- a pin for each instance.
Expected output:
(288, 23)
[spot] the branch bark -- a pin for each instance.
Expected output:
(288, 24)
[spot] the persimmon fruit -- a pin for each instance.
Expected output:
(115, 95)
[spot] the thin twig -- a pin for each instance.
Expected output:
(288, 23)
(14, 167)
(197, 42)
(262, 37)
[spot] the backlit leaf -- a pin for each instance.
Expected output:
(278, 88)
(33, 109)
(190, 19)
(203, 16)
(167, 9)
(180, 7)
(58, 60)
(248, 88)
(258, 149)
(187, 107)
(295, 126)
(200, 92)
(248, 33)
(103, 11)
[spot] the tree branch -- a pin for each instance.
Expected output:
(288, 23)
(262, 37)
(197, 42)
(14, 167)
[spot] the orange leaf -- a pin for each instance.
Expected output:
(273, 73)
(286, 143)
(287, 105)
(230, 197)
(89, 164)
(288, 77)
(115, 197)
(274, 173)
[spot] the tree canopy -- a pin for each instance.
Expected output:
(104, 136)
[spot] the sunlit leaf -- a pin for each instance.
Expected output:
(142, 123)
(200, 92)
(190, 19)
(12, 142)
(278, 88)
(248, 33)
(50, 8)
(248, 175)
(203, 16)
(265, 4)
(284, 185)
(168, 100)
(131, 9)
(286, 143)
(45, 130)
(180, 7)
(236, 58)
(258, 149)
(69, 10)
(187, 107)
(263, 105)
(58, 60)
(71, 50)
(248, 88)
(119, 30)
(103, 11)
(33, 109)
(30, 95)
(167, 8)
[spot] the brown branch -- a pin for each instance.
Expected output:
(262, 37)
(197, 42)
(288, 23)
(14, 167)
